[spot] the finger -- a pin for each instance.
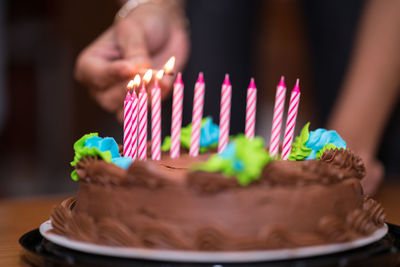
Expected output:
(178, 46)
(101, 73)
(99, 65)
(112, 98)
(131, 39)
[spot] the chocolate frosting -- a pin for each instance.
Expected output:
(165, 205)
(361, 221)
(142, 233)
(334, 229)
(334, 166)
(210, 182)
(331, 170)
(375, 211)
(95, 170)
(346, 161)
(140, 173)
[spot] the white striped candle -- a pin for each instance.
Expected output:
(251, 105)
(224, 114)
(128, 120)
(176, 121)
(142, 123)
(135, 111)
(291, 121)
(156, 119)
(198, 103)
(277, 118)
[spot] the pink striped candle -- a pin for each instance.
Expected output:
(277, 119)
(176, 122)
(251, 110)
(224, 114)
(291, 121)
(135, 110)
(198, 102)
(142, 123)
(128, 120)
(156, 119)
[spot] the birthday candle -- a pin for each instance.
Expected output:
(176, 122)
(198, 102)
(224, 114)
(134, 125)
(143, 117)
(291, 121)
(128, 120)
(277, 119)
(156, 118)
(251, 110)
(133, 135)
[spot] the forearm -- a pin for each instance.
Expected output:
(173, 6)
(372, 83)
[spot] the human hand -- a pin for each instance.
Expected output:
(374, 175)
(147, 37)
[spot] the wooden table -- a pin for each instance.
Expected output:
(18, 216)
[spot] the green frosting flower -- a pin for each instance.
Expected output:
(299, 149)
(82, 151)
(243, 159)
(322, 150)
(208, 137)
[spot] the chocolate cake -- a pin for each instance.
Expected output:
(169, 205)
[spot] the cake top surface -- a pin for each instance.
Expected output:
(318, 156)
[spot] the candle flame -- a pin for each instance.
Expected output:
(130, 84)
(147, 76)
(159, 74)
(169, 66)
(136, 81)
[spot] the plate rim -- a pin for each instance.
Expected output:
(209, 257)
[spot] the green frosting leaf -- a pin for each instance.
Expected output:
(186, 133)
(216, 164)
(82, 151)
(166, 145)
(322, 150)
(299, 149)
(243, 159)
(254, 157)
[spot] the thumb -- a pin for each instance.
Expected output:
(131, 40)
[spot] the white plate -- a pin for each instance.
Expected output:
(207, 257)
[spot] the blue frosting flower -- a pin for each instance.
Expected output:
(209, 133)
(321, 137)
(109, 144)
(123, 162)
(230, 154)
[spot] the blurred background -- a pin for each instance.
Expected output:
(43, 110)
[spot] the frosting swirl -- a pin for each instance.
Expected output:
(360, 221)
(345, 160)
(375, 211)
(334, 229)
